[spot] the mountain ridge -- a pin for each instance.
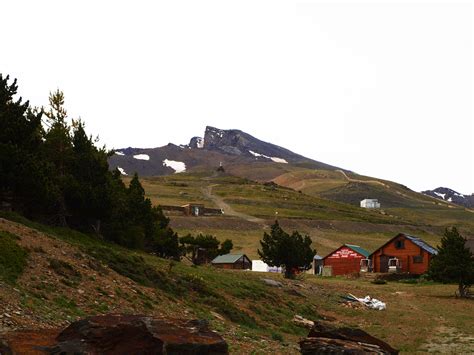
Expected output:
(217, 146)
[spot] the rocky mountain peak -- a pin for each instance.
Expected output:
(449, 195)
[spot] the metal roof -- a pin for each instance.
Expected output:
(227, 258)
(358, 249)
(422, 244)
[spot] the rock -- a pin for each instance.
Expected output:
(119, 334)
(324, 339)
(297, 319)
(273, 283)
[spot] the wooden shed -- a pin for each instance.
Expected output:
(232, 261)
(403, 253)
(193, 209)
(346, 259)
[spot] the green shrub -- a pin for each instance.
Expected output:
(277, 337)
(13, 258)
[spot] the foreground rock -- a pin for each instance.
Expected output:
(324, 339)
(119, 334)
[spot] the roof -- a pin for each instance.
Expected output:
(415, 240)
(355, 248)
(227, 258)
(422, 244)
(358, 249)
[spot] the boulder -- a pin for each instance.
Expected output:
(119, 334)
(324, 339)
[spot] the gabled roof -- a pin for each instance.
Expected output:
(355, 248)
(415, 240)
(358, 249)
(228, 258)
(422, 244)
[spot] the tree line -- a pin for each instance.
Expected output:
(52, 171)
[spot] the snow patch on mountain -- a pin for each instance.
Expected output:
(118, 153)
(121, 170)
(440, 194)
(177, 166)
(142, 157)
(275, 159)
(279, 160)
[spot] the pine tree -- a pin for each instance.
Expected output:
(454, 262)
(22, 171)
(291, 251)
(89, 200)
(58, 150)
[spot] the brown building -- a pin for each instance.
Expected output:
(232, 261)
(403, 253)
(346, 259)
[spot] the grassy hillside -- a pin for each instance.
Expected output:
(67, 275)
(253, 206)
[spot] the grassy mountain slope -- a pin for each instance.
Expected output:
(329, 223)
(62, 275)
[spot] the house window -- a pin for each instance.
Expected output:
(400, 244)
(418, 259)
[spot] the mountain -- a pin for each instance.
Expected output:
(227, 147)
(446, 194)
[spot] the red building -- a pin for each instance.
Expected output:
(403, 253)
(346, 259)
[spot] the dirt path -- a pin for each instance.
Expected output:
(362, 181)
(228, 210)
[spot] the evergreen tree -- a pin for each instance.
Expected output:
(88, 199)
(58, 151)
(23, 181)
(454, 262)
(293, 252)
(207, 244)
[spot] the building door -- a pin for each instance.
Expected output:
(384, 263)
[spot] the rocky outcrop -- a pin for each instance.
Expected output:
(325, 339)
(119, 334)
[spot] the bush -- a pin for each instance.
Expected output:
(13, 258)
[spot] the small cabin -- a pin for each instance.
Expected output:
(370, 203)
(346, 259)
(403, 253)
(193, 209)
(232, 261)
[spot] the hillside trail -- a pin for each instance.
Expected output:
(228, 210)
(435, 200)
(362, 181)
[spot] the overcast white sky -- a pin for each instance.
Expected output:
(381, 88)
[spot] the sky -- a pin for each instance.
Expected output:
(381, 88)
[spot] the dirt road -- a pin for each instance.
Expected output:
(228, 210)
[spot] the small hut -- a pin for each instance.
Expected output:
(232, 261)
(193, 209)
(346, 259)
